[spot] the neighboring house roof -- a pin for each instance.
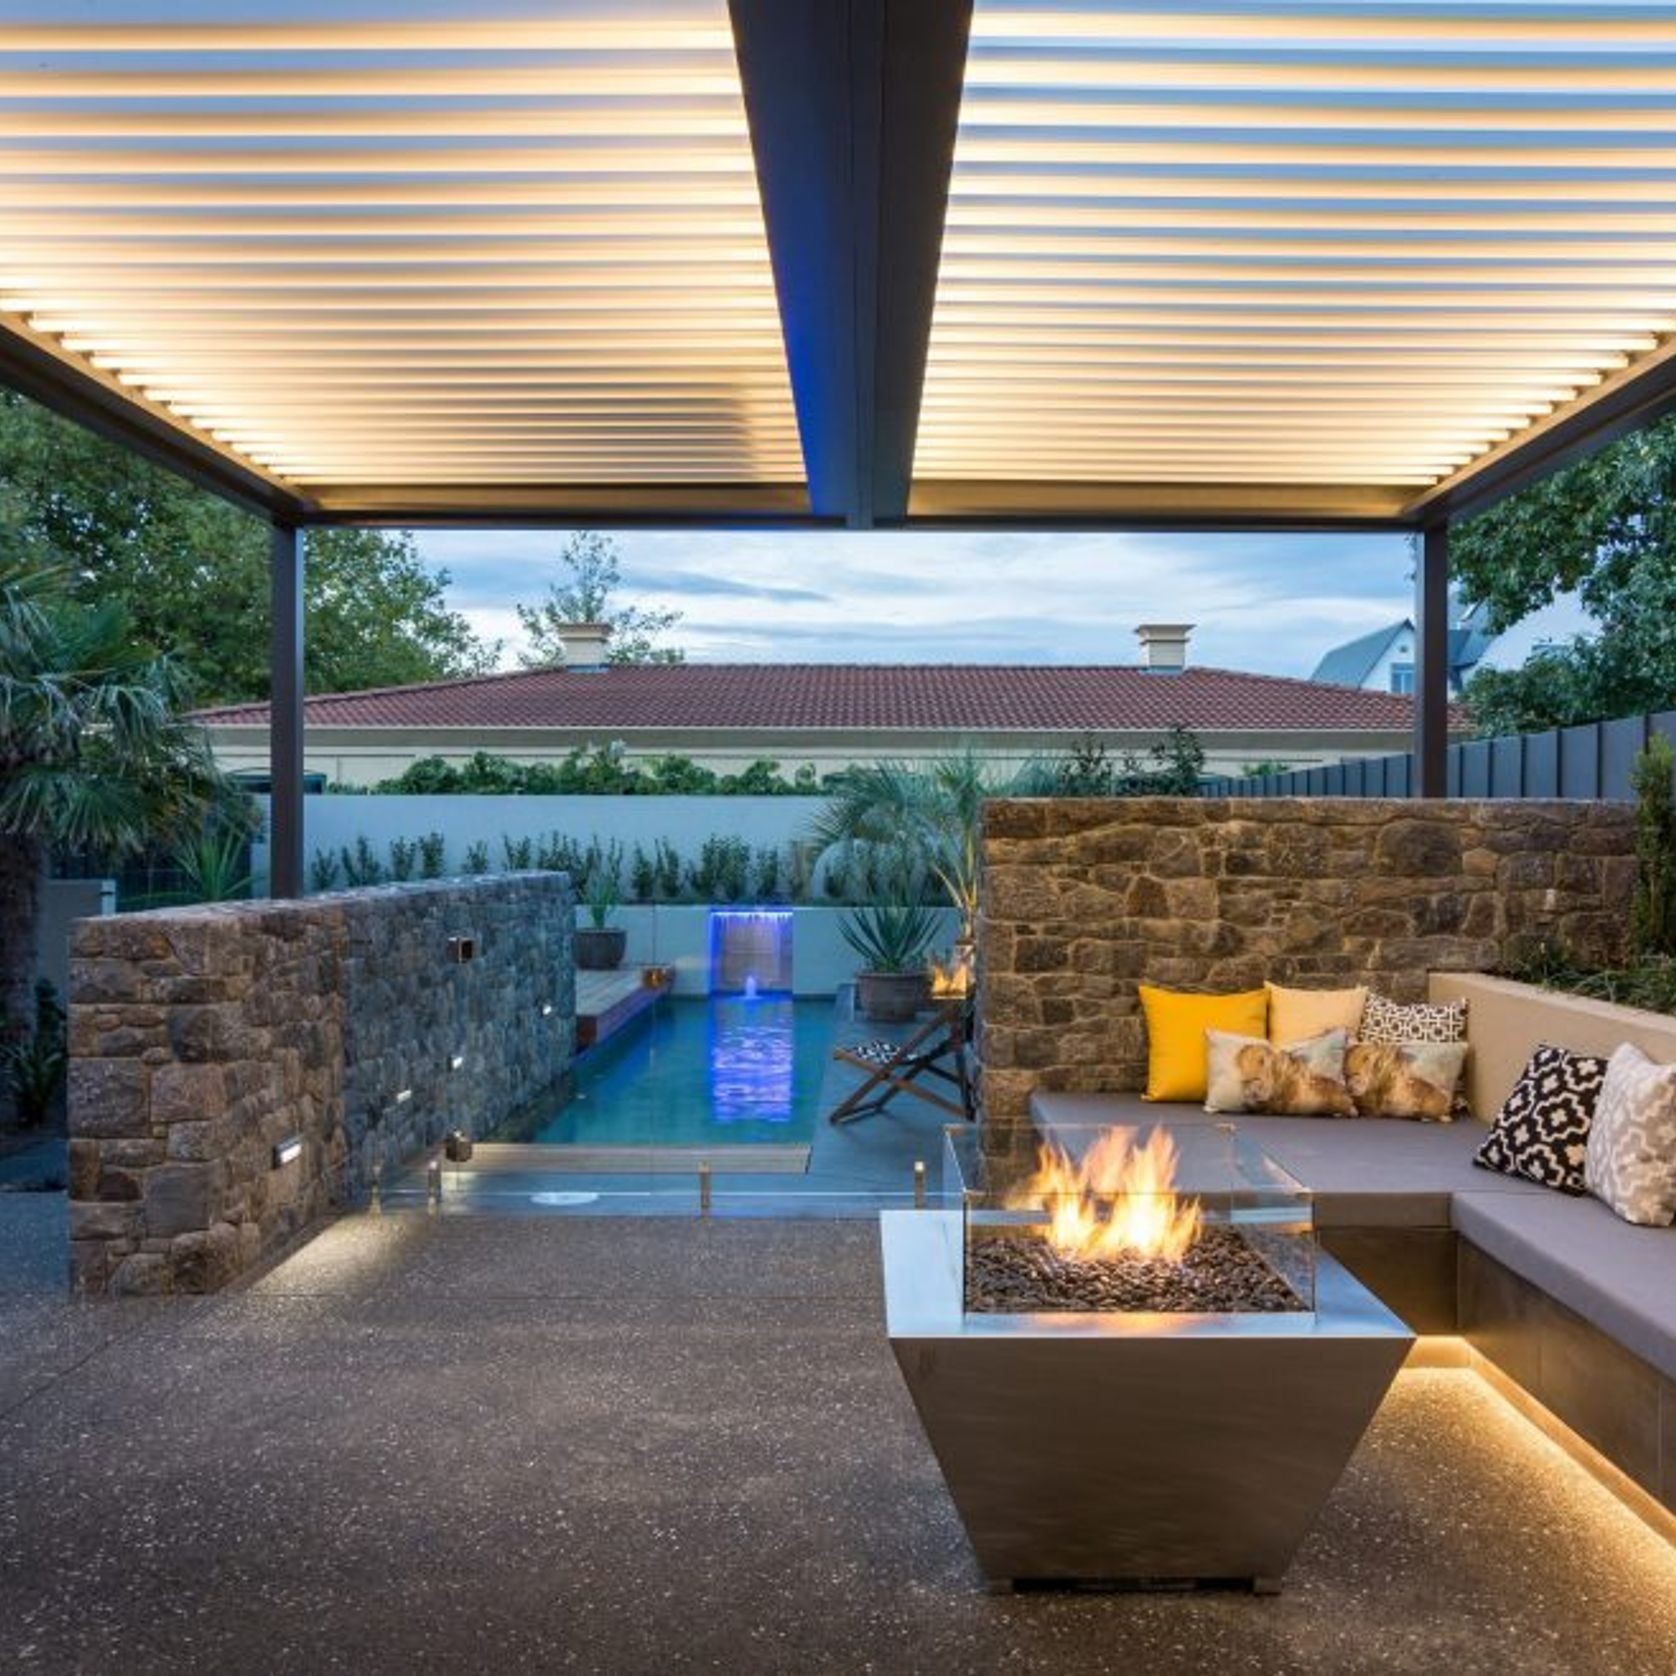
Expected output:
(855, 697)
(1351, 664)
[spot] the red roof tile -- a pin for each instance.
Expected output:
(862, 697)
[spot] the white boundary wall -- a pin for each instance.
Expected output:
(334, 822)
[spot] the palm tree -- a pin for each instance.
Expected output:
(923, 817)
(94, 753)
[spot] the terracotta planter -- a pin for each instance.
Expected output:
(891, 997)
(600, 950)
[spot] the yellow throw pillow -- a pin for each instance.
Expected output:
(1295, 1015)
(1175, 1035)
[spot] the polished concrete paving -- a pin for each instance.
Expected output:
(486, 1445)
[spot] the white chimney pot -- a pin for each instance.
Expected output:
(1164, 646)
(584, 644)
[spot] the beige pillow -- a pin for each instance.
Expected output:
(1405, 1079)
(1295, 1015)
(1248, 1074)
(1630, 1162)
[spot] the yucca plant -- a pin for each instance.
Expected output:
(216, 863)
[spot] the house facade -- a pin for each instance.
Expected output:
(1384, 661)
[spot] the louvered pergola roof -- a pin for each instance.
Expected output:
(858, 261)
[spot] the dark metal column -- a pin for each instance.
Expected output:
(285, 716)
(1431, 664)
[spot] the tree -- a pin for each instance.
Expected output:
(192, 570)
(94, 751)
(595, 575)
(1606, 529)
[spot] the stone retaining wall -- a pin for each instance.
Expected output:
(202, 1037)
(1084, 899)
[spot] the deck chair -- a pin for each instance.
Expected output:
(937, 1052)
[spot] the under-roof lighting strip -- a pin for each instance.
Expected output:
(1186, 246)
(441, 249)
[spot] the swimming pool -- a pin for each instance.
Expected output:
(729, 1070)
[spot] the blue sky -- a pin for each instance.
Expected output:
(1273, 603)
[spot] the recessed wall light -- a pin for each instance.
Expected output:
(403, 1095)
(287, 1151)
(455, 1061)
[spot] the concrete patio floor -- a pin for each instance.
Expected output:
(620, 1446)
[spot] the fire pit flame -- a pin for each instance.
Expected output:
(1119, 1199)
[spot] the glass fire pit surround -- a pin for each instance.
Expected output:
(1131, 1357)
(1130, 1219)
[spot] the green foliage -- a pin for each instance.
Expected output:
(643, 875)
(361, 865)
(1606, 529)
(1649, 983)
(589, 771)
(1268, 765)
(766, 885)
(32, 1065)
(587, 594)
(191, 571)
(1653, 914)
(520, 854)
(323, 870)
(477, 858)
(404, 854)
(890, 936)
(722, 872)
(667, 860)
(216, 863)
(433, 855)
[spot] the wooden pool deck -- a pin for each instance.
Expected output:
(607, 1002)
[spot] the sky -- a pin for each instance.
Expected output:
(1269, 603)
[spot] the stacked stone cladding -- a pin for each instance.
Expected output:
(202, 1037)
(1084, 899)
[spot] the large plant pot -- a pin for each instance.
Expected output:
(600, 950)
(891, 997)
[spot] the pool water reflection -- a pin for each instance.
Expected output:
(728, 1070)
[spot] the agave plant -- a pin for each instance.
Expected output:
(890, 936)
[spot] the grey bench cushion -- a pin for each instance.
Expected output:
(1370, 1172)
(1621, 1279)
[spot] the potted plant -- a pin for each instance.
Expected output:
(892, 939)
(600, 945)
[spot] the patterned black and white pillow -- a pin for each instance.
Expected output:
(1542, 1131)
(1388, 1021)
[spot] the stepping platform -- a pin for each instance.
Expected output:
(607, 1002)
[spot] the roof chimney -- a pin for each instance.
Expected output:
(584, 644)
(1164, 646)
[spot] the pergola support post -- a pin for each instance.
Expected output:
(1431, 663)
(285, 724)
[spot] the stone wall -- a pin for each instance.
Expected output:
(202, 1037)
(1084, 899)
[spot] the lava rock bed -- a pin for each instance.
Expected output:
(1016, 1272)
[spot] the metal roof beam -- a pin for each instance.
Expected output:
(853, 109)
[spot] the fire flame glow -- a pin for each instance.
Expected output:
(954, 979)
(1118, 1200)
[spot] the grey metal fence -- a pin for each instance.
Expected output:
(1591, 761)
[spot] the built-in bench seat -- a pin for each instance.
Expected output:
(1570, 1302)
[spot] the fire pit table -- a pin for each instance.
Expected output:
(1131, 1358)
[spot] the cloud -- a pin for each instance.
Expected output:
(1272, 603)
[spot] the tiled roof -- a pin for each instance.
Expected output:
(856, 697)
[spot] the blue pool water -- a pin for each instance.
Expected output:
(701, 1073)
